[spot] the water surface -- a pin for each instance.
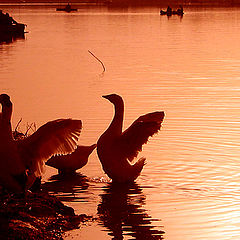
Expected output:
(188, 67)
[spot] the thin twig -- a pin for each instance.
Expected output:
(31, 127)
(28, 128)
(104, 69)
(17, 125)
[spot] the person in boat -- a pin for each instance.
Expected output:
(68, 7)
(169, 10)
(180, 10)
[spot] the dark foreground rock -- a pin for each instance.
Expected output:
(36, 216)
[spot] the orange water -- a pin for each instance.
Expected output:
(188, 67)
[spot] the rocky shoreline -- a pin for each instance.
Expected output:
(36, 216)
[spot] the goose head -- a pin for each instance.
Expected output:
(114, 99)
(6, 107)
(5, 100)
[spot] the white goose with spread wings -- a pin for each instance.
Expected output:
(22, 161)
(117, 149)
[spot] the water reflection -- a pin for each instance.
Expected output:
(121, 212)
(67, 186)
(9, 38)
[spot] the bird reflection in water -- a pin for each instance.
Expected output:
(67, 186)
(121, 211)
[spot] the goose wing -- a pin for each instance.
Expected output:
(55, 137)
(133, 138)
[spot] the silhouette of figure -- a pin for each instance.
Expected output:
(180, 10)
(72, 162)
(169, 11)
(117, 149)
(68, 8)
(22, 161)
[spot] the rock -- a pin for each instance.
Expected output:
(36, 216)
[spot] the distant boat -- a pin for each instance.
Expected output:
(169, 12)
(67, 8)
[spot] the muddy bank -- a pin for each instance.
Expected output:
(36, 216)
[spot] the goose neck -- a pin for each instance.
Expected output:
(7, 112)
(117, 121)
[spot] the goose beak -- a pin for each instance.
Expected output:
(107, 97)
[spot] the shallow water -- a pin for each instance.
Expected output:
(188, 67)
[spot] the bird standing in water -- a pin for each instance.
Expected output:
(72, 162)
(117, 149)
(22, 161)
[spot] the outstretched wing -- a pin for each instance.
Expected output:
(55, 137)
(133, 138)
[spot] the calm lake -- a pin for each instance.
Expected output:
(189, 67)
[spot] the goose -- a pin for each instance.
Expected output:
(72, 162)
(22, 161)
(117, 149)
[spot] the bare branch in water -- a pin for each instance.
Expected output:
(28, 128)
(104, 69)
(18, 125)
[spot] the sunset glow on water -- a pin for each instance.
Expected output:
(187, 67)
